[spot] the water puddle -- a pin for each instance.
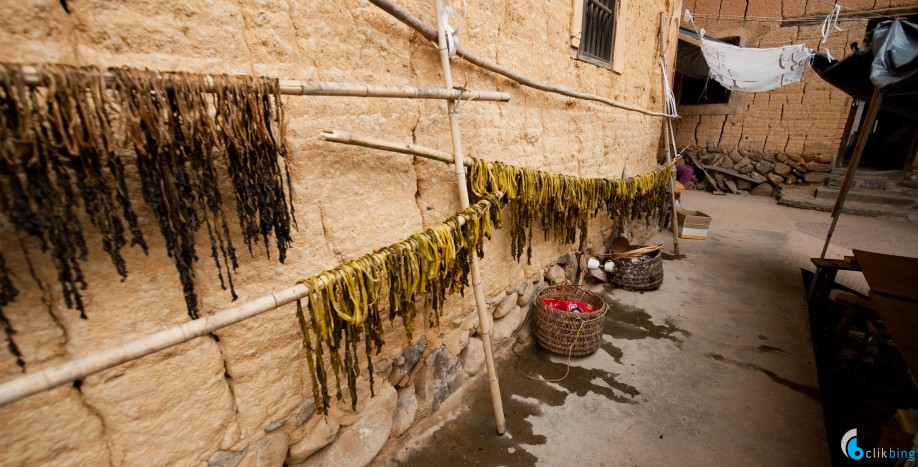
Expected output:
(469, 439)
(630, 322)
(809, 391)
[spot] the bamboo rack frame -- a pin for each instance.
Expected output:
(94, 362)
(430, 34)
(291, 87)
(484, 324)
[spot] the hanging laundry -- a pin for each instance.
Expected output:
(754, 70)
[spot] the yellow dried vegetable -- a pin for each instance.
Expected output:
(344, 303)
(562, 203)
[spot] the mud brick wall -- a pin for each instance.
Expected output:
(803, 119)
(246, 398)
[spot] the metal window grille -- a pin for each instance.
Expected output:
(598, 31)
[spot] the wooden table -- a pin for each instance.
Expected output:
(893, 282)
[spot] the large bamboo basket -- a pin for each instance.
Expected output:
(564, 333)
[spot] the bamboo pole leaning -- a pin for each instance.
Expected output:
(372, 142)
(430, 34)
(484, 323)
(668, 135)
(291, 87)
(94, 362)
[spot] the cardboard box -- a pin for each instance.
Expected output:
(693, 224)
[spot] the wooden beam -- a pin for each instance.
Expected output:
(729, 172)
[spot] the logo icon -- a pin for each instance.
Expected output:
(849, 445)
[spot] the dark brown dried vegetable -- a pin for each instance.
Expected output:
(74, 133)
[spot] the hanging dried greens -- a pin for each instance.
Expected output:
(246, 109)
(563, 204)
(344, 303)
(8, 293)
(74, 132)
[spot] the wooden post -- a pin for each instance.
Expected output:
(875, 101)
(484, 324)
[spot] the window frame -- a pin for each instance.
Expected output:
(733, 104)
(586, 56)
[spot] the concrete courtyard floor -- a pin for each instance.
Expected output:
(714, 367)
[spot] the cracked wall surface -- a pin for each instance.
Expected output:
(179, 406)
(806, 118)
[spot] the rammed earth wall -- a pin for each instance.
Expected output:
(247, 396)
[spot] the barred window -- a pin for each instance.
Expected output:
(598, 32)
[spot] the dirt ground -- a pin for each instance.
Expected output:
(715, 366)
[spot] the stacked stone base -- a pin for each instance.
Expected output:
(408, 388)
(769, 171)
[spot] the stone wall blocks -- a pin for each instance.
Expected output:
(317, 433)
(505, 306)
(405, 411)
(473, 357)
(440, 376)
(359, 443)
(271, 451)
(526, 295)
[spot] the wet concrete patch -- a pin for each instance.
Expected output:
(630, 322)
(469, 439)
(809, 391)
(672, 257)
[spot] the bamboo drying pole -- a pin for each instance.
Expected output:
(49, 378)
(667, 130)
(430, 34)
(354, 139)
(290, 87)
(672, 187)
(484, 324)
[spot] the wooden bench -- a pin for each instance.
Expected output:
(826, 271)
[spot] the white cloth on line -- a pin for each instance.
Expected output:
(754, 70)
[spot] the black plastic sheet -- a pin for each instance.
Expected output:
(891, 63)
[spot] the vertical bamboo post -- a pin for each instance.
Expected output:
(484, 324)
(672, 185)
(668, 137)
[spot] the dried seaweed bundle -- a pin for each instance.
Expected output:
(55, 142)
(8, 293)
(344, 303)
(563, 203)
(74, 133)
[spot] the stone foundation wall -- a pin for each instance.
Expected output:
(760, 173)
(244, 396)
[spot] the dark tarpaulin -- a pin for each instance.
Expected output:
(890, 63)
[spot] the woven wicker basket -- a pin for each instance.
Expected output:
(564, 333)
(644, 274)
